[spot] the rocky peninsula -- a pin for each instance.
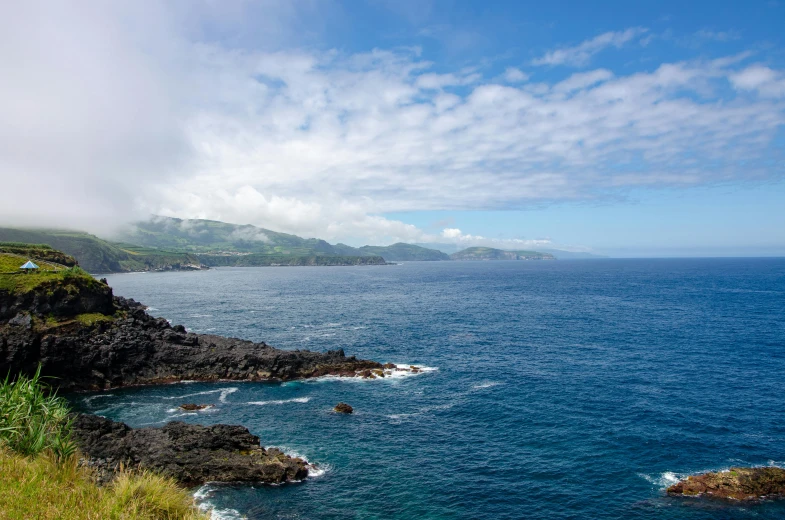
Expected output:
(84, 338)
(89, 339)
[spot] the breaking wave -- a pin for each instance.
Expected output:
(281, 401)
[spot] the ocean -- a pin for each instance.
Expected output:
(568, 389)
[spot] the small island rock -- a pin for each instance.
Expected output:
(191, 407)
(736, 484)
(343, 408)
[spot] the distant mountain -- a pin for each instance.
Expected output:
(438, 246)
(208, 238)
(571, 255)
(405, 252)
(558, 253)
(489, 253)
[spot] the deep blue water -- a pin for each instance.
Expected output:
(568, 389)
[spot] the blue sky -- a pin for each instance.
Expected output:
(623, 128)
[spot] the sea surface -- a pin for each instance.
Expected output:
(568, 389)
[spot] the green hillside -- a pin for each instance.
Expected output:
(405, 252)
(212, 237)
(489, 253)
(99, 256)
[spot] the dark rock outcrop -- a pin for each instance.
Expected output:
(736, 484)
(190, 407)
(134, 348)
(79, 295)
(343, 408)
(191, 454)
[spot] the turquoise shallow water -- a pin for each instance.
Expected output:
(568, 389)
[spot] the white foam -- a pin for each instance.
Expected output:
(405, 370)
(223, 391)
(201, 316)
(486, 384)
(281, 401)
(90, 399)
(314, 471)
(663, 480)
(202, 496)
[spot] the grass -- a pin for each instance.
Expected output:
(9, 263)
(45, 488)
(40, 475)
(13, 280)
(93, 318)
(33, 419)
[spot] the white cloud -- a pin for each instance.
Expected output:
(153, 119)
(760, 78)
(582, 80)
(581, 54)
(514, 75)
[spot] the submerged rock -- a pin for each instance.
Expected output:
(343, 408)
(190, 453)
(736, 484)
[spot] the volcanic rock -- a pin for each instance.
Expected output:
(190, 407)
(130, 347)
(343, 408)
(190, 453)
(736, 483)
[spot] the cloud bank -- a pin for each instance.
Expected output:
(112, 113)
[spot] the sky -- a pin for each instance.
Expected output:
(619, 128)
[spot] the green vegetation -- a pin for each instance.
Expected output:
(489, 253)
(40, 476)
(46, 489)
(91, 319)
(168, 243)
(94, 254)
(405, 252)
(211, 237)
(15, 281)
(33, 419)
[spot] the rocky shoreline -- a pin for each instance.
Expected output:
(125, 346)
(87, 339)
(189, 453)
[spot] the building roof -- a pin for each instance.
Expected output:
(29, 265)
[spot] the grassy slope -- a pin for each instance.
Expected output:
(40, 476)
(43, 488)
(13, 280)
